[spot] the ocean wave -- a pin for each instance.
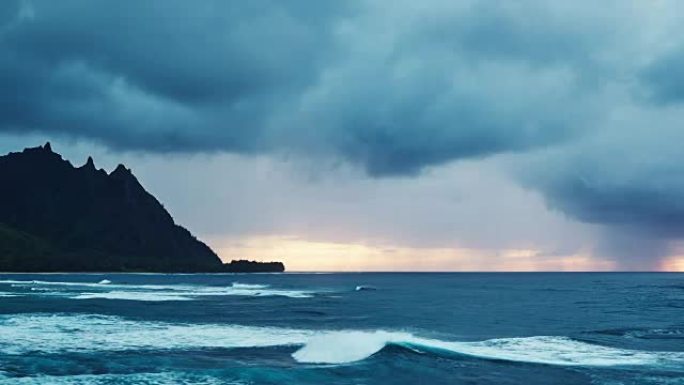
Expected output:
(675, 333)
(238, 285)
(118, 379)
(20, 334)
(549, 350)
(18, 283)
(553, 350)
(134, 296)
(108, 290)
(365, 288)
(659, 333)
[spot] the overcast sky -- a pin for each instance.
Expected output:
(364, 135)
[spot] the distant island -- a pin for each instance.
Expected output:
(55, 217)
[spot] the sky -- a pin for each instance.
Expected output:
(434, 135)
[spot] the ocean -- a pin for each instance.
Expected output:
(364, 328)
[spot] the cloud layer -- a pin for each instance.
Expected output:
(390, 89)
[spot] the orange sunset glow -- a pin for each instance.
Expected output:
(303, 255)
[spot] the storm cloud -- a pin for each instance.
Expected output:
(390, 89)
(586, 98)
(629, 177)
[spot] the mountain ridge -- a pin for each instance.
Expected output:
(58, 217)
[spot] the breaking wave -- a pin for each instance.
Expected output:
(133, 296)
(365, 288)
(238, 285)
(20, 334)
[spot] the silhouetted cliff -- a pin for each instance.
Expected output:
(57, 217)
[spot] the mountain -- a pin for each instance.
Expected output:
(57, 217)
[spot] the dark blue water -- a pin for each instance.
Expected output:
(342, 329)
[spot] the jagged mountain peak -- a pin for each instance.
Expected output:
(90, 164)
(121, 170)
(86, 223)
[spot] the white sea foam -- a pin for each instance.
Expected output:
(20, 334)
(365, 288)
(164, 378)
(656, 333)
(16, 283)
(133, 296)
(238, 285)
(84, 290)
(552, 351)
(63, 333)
(33, 283)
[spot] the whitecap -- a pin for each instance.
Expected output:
(76, 290)
(238, 285)
(163, 378)
(20, 334)
(656, 334)
(134, 296)
(550, 350)
(365, 288)
(59, 333)
(99, 284)
(32, 283)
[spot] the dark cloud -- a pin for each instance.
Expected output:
(392, 89)
(629, 174)
(151, 75)
(664, 79)
(632, 250)
(628, 178)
